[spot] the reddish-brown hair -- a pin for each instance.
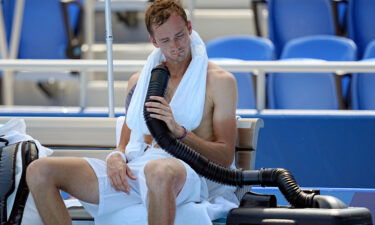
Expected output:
(160, 11)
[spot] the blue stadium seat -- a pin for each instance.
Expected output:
(370, 50)
(325, 47)
(243, 48)
(310, 90)
(8, 6)
(49, 31)
(43, 33)
(363, 84)
(289, 19)
(43, 38)
(361, 23)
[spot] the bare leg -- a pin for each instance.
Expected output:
(46, 176)
(165, 179)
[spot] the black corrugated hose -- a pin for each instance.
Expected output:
(280, 178)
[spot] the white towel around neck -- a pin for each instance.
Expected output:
(188, 100)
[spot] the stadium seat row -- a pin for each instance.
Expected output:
(290, 19)
(301, 90)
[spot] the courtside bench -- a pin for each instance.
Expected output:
(96, 137)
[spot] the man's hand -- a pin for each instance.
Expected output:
(118, 172)
(162, 111)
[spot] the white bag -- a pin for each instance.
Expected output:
(15, 131)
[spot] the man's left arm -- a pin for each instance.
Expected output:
(224, 96)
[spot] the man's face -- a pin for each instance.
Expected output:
(172, 38)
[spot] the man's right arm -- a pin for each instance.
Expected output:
(117, 169)
(125, 131)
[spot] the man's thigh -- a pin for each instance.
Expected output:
(75, 176)
(193, 187)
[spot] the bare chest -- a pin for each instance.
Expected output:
(171, 89)
(205, 128)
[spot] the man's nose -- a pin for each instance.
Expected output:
(175, 43)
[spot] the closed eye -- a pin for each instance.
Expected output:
(180, 35)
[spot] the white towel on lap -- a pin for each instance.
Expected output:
(187, 103)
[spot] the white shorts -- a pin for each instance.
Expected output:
(110, 200)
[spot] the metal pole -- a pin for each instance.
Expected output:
(89, 36)
(261, 90)
(13, 51)
(16, 29)
(89, 27)
(83, 89)
(3, 42)
(109, 40)
(4, 55)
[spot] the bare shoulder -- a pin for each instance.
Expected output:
(218, 78)
(133, 80)
(222, 90)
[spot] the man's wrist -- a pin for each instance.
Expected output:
(183, 134)
(123, 156)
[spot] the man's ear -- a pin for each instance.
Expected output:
(153, 41)
(189, 27)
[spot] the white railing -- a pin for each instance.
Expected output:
(257, 67)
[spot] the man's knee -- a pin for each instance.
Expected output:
(165, 175)
(39, 173)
